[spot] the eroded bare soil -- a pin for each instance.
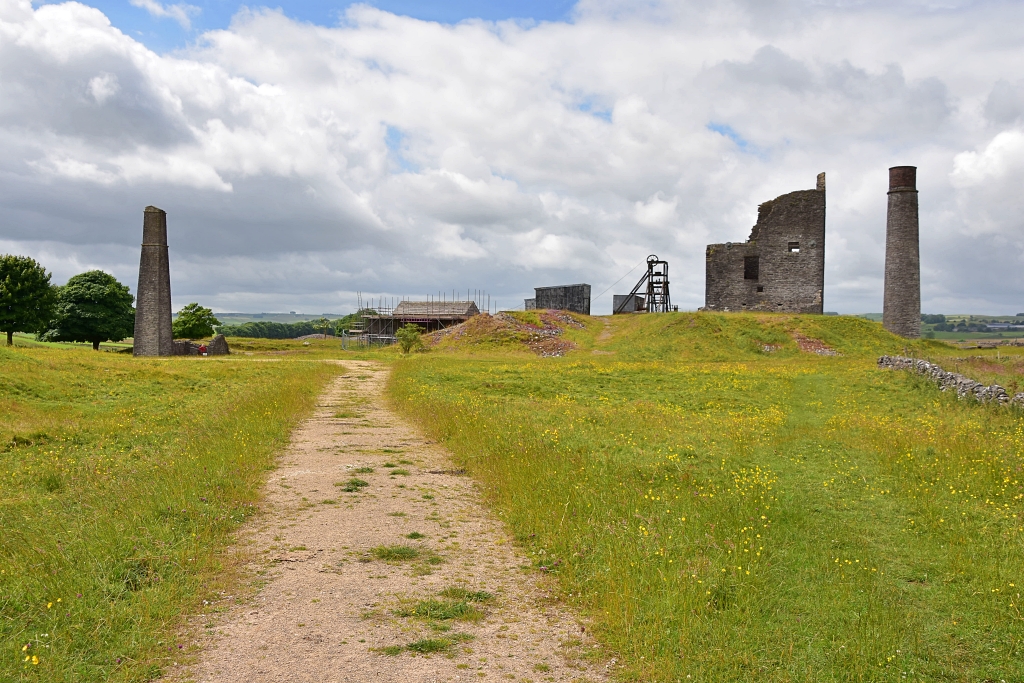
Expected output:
(332, 609)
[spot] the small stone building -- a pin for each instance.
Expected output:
(575, 298)
(627, 303)
(781, 267)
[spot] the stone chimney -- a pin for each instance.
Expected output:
(153, 336)
(901, 308)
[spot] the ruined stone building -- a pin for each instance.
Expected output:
(153, 334)
(901, 307)
(575, 298)
(781, 267)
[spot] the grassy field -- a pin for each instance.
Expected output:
(722, 505)
(726, 507)
(121, 480)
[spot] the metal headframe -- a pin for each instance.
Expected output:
(658, 299)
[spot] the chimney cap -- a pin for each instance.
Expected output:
(903, 177)
(153, 209)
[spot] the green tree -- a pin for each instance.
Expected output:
(194, 322)
(323, 325)
(92, 307)
(409, 337)
(26, 295)
(352, 320)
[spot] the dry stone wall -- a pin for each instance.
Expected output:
(947, 381)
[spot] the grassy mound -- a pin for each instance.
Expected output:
(677, 336)
(545, 333)
(723, 511)
(749, 336)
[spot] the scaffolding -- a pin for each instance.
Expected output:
(378, 325)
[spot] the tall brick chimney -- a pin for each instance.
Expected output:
(153, 335)
(901, 308)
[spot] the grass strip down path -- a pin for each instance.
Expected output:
(769, 515)
(121, 480)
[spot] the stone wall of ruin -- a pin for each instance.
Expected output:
(788, 244)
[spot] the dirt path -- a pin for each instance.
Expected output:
(330, 605)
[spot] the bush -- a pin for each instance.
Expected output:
(409, 337)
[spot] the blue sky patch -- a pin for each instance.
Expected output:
(742, 143)
(594, 109)
(395, 139)
(165, 33)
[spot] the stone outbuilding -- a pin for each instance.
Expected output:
(781, 266)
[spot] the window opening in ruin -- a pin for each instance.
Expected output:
(794, 247)
(760, 288)
(750, 268)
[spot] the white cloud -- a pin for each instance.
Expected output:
(103, 87)
(181, 13)
(302, 163)
(1003, 156)
(656, 212)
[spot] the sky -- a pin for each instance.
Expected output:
(307, 152)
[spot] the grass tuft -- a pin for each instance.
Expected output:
(429, 645)
(352, 485)
(443, 610)
(459, 593)
(395, 553)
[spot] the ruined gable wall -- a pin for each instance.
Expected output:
(791, 282)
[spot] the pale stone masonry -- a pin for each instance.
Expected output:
(901, 308)
(781, 267)
(153, 334)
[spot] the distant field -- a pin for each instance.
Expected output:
(725, 507)
(120, 482)
(1005, 335)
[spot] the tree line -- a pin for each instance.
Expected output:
(265, 329)
(92, 307)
